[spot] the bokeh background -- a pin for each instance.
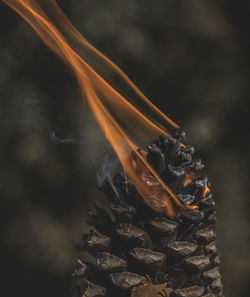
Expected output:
(191, 58)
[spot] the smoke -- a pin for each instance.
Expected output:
(110, 166)
(57, 137)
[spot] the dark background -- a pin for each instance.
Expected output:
(191, 58)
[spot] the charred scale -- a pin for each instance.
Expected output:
(141, 253)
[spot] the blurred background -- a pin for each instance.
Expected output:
(191, 58)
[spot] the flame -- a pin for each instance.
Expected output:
(189, 177)
(206, 191)
(102, 85)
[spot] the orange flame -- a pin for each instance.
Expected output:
(206, 191)
(122, 116)
(189, 177)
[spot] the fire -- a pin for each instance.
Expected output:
(206, 191)
(118, 113)
(189, 177)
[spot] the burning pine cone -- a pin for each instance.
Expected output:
(141, 253)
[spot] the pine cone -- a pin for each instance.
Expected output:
(141, 253)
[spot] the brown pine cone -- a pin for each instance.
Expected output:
(141, 253)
